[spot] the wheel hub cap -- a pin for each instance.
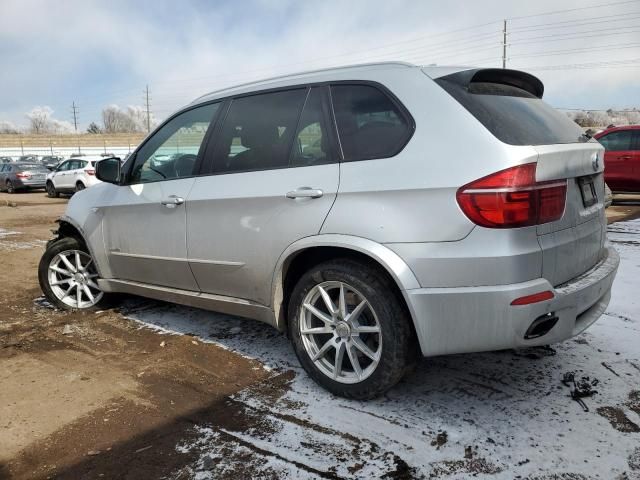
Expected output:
(340, 332)
(72, 278)
(343, 330)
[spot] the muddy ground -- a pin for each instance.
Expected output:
(148, 390)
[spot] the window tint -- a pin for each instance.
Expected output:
(370, 125)
(617, 141)
(258, 131)
(172, 151)
(311, 146)
(513, 115)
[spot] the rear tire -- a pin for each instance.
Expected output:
(68, 277)
(357, 356)
(10, 187)
(80, 186)
(51, 190)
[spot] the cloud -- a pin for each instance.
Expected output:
(98, 53)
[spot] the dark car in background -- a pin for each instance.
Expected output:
(621, 158)
(6, 160)
(51, 161)
(22, 176)
(28, 158)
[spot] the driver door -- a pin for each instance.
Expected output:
(144, 223)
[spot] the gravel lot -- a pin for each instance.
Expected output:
(150, 390)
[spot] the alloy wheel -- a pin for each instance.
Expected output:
(71, 276)
(340, 332)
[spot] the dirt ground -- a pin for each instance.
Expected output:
(90, 394)
(96, 395)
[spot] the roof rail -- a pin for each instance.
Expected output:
(307, 72)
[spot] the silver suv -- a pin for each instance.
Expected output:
(374, 212)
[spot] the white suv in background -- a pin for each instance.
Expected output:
(73, 175)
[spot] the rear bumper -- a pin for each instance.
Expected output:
(474, 319)
(29, 183)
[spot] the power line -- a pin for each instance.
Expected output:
(576, 23)
(583, 8)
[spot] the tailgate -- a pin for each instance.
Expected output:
(573, 244)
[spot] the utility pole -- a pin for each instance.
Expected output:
(146, 92)
(504, 44)
(74, 110)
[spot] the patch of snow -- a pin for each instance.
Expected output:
(506, 414)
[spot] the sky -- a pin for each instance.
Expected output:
(53, 53)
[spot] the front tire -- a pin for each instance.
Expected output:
(68, 277)
(349, 329)
(51, 190)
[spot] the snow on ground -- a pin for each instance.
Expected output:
(499, 415)
(8, 242)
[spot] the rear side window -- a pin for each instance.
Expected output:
(258, 131)
(370, 124)
(617, 141)
(512, 114)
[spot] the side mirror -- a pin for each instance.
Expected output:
(108, 170)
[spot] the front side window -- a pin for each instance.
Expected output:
(258, 131)
(617, 141)
(370, 124)
(172, 151)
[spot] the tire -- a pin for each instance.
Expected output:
(392, 343)
(73, 280)
(80, 186)
(51, 190)
(10, 187)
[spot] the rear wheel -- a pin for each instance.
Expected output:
(349, 329)
(10, 187)
(68, 276)
(51, 190)
(80, 186)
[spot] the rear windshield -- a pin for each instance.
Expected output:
(513, 115)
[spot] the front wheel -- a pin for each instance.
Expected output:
(68, 276)
(51, 190)
(349, 329)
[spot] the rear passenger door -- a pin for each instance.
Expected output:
(272, 180)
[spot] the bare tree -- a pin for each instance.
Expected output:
(8, 127)
(117, 120)
(39, 119)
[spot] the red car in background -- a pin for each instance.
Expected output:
(621, 157)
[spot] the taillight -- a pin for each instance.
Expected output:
(512, 198)
(90, 172)
(23, 175)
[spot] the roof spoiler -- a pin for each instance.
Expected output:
(503, 76)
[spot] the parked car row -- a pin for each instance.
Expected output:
(69, 176)
(49, 161)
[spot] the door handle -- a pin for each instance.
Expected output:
(172, 201)
(305, 192)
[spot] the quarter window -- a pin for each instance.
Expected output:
(258, 131)
(172, 151)
(370, 124)
(617, 141)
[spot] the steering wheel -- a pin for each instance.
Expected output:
(183, 165)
